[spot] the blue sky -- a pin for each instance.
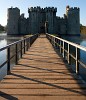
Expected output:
(23, 5)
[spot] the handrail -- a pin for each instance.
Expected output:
(15, 42)
(71, 43)
(24, 44)
(60, 43)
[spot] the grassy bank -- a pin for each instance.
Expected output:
(2, 32)
(83, 29)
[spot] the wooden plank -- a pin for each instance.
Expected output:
(22, 81)
(42, 97)
(42, 74)
(52, 92)
(41, 86)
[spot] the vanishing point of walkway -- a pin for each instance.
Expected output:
(41, 74)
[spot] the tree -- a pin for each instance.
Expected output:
(1, 28)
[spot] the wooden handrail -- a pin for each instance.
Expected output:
(5, 47)
(59, 42)
(27, 43)
(71, 43)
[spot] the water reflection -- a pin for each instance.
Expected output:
(3, 43)
(82, 54)
(5, 40)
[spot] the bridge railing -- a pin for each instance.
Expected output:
(65, 48)
(20, 46)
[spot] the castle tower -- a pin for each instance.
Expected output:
(73, 20)
(22, 24)
(42, 20)
(34, 19)
(50, 16)
(12, 21)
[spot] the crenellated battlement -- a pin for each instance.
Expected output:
(12, 9)
(13, 16)
(33, 9)
(35, 23)
(22, 16)
(13, 12)
(72, 9)
(50, 9)
(39, 9)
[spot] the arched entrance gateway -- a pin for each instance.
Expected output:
(44, 27)
(37, 21)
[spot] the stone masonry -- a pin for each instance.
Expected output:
(43, 20)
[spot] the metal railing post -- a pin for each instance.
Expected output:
(63, 50)
(68, 54)
(16, 57)
(54, 42)
(8, 63)
(24, 46)
(21, 49)
(27, 44)
(77, 64)
(17, 53)
(57, 43)
(61, 43)
(60, 48)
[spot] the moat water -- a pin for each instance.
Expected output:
(81, 40)
(5, 40)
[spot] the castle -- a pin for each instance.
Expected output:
(43, 20)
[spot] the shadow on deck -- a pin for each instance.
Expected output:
(42, 74)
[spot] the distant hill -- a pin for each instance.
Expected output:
(83, 29)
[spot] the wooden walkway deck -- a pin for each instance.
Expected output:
(41, 74)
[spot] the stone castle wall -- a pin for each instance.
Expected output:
(22, 25)
(35, 23)
(13, 20)
(73, 21)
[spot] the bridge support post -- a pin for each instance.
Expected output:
(16, 57)
(77, 58)
(27, 43)
(24, 46)
(63, 50)
(8, 62)
(54, 42)
(68, 54)
(60, 48)
(21, 49)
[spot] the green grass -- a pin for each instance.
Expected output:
(2, 32)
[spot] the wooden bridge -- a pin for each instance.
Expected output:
(42, 74)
